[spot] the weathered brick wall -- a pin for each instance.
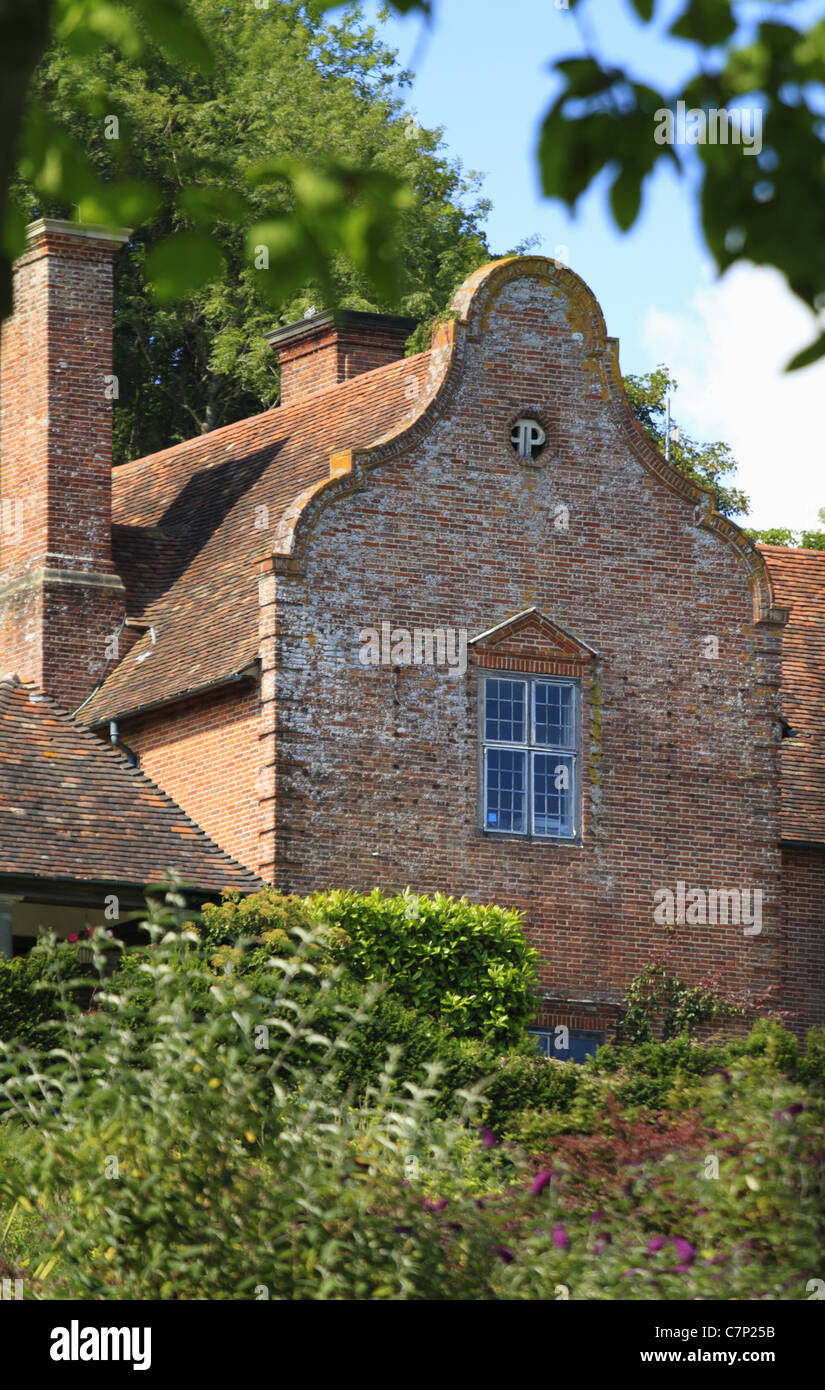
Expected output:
(205, 754)
(60, 598)
(803, 893)
(377, 767)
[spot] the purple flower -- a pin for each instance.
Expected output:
(540, 1181)
(795, 1109)
(683, 1247)
(598, 1215)
(685, 1251)
(401, 1230)
(603, 1239)
(505, 1254)
(438, 1205)
(488, 1139)
(560, 1238)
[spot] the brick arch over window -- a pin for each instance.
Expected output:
(531, 642)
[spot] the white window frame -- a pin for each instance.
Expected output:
(530, 749)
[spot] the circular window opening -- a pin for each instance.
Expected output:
(527, 438)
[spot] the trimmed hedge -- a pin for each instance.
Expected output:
(467, 964)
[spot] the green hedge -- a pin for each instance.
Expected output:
(456, 989)
(467, 964)
(30, 999)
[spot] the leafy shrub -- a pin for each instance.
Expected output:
(32, 988)
(658, 998)
(811, 1067)
(255, 916)
(200, 1165)
(466, 964)
(769, 1039)
(23, 1009)
(176, 1174)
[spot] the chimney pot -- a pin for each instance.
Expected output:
(320, 351)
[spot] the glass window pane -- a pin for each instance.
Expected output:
(504, 772)
(504, 712)
(582, 1043)
(553, 714)
(553, 780)
(543, 1041)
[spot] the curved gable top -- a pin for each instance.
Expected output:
(472, 307)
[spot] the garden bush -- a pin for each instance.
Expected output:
(254, 916)
(33, 990)
(658, 1000)
(204, 1166)
(466, 964)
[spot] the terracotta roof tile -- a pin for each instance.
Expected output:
(798, 578)
(72, 807)
(186, 538)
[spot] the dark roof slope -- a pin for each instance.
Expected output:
(798, 578)
(190, 522)
(72, 807)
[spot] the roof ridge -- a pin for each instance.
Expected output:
(792, 549)
(283, 412)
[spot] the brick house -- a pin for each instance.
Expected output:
(446, 620)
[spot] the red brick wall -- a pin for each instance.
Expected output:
(803, 892)
(377, 768)
(204, 753)
(60, 599)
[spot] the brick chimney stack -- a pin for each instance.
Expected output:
(61, 601)
(323, 350)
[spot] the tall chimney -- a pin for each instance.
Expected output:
(322, 350)
(61, 601)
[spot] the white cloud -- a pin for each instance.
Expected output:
(727, 352)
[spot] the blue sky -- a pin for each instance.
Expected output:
(482, 73)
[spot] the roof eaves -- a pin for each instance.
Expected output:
(248, 672)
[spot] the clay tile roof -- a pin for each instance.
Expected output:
(798, 578)
(190, 522)
(72, 807)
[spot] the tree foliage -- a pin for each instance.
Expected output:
(286, 175)
(710, 465)
(783, 535)
(767, 206)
